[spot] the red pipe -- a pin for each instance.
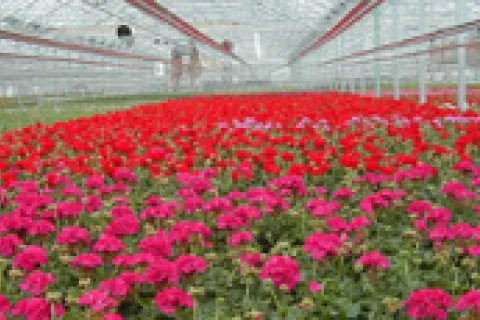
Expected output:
(60, 59)
(154, 9)
(357, 13)
(74, 47)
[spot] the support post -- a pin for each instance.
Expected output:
(376, 40)
(460, 17)
(422, 86)
(395, 37)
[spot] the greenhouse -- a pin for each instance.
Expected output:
(239, 159)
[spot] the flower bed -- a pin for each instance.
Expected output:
(301, 206)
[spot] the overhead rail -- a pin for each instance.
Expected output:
(4, 34)
(431, 36)
(152, 8)
(69, 60)
(359, 11)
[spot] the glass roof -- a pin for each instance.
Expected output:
(265, 34)
(261, 30)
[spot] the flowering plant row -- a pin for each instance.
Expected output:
(300, 206)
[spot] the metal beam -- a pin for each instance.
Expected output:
(152, 8)
(438, 34)
(359, 11)
(4, 34)
(69, 60)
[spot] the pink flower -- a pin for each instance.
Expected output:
(121, 211)
(160, 212)
(240, 237)
(320, 245)
(248, 213)
(473, 250)
(168, 300)
(97, 300)
(428, 304)
(440, 234)
(31, 258)
(458, 191)
(253, 260)
(289, 185)
(282, 271)
(108, 244)
(462, 230)
(133, 260)
(369, 203)
(92, 203)
(420, 225)
(192, 204)
(315, 286)
(321, 190)
(452, 187)
(184, 231)
(153, 201)
(37, 282)
(125, 175)
(230, 221)
(73, 235)
(95, 181)
(41, 227)
(115, 287)
(159, 245)
(112, 316)
(87, 261)
(475, 182)
(188, 264)
(419, 207)
(4, 304)
(337, 225)
(326, 209)
(72, 190)
(132, 278)
(359, 222)
(9, 245)
(470, 300)
(123, 226)
(343, 193)
(217, 205)
(439, 216)
(69, 209)
(122, 201)
(374, 260)
(162, 271)
(36, 309)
